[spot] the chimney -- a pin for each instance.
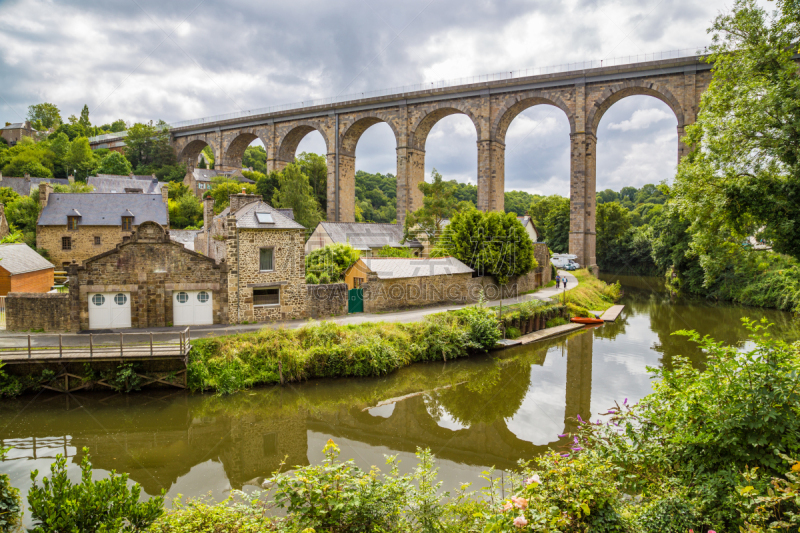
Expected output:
(71, 178)
(131, 175)
(165, 194)
(242, 199)
(45, 189)
(208, 215)
(27, 175)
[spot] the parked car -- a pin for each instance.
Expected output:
(565, 261)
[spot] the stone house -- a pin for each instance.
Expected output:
(147, 281)
(111, 183)
(365, 237)
(24, 270)
(199, 179)
(395, 283)
(73, 227)
(264, 250)
(12, 133)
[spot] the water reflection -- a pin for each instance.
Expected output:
(473, 414)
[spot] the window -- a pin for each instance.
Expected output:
(264, 218)
(98, 300)
(127, 223)
(182, 297)
(66, 243)
(266, 297)
(202, 297)
(357, 282)
(97, 240)
(265, 259)
(72, 223)
(120, 299)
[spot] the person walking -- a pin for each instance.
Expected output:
(564, 280)
(558, 281)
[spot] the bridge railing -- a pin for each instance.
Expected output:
(397, 91)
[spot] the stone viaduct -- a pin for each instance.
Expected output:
(583, 95)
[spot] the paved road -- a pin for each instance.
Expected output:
(8, 340)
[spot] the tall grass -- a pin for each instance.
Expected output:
(326, 350)
(591, 293)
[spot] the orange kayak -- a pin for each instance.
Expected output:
(583, 320)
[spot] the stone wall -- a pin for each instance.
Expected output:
(327, 300)
(288, 274)
(151, 267)
(83, 242)
(388, 294)
(38, 311)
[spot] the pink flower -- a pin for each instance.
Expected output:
(507, 506)
(533, 479)
(520, 522)
(520, 503)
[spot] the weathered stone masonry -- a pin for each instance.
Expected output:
(584, 96)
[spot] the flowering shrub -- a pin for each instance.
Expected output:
(562, 494)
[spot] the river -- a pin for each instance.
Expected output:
(474, 414)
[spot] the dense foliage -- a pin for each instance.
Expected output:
(10, 501)
(105, 505)
(491, 243)
(269, 356)
(332, 260)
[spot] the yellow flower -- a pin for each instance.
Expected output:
(796, 467)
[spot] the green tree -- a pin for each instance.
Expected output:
(491, 243)
(745, 173)
(438, 204)
(118, 126)
(389, 251)
(613, 222)
(115, 163)
(8, 195)
(222, 188)
(295, 192)
(315, 166)
(517, 202)
(332, 260)
(23, 214)
(267, 185)
(72, 131)
(255, 157)
(80, 159)
(148, 148)
(208, 154)
(59, 145)
(44, 116)
(185, 211)
(27, 157)
(84, 120)
(551, 216)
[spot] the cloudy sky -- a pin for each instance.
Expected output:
(150, 59)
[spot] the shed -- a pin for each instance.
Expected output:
(390, 268)
(24, 270)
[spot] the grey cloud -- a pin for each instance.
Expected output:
(246, 55)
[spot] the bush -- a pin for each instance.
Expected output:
(513, 333)
(333, 259)
(700, 430)
(232, 363)
(104, 505)
(557, 321)
(324, 278)
(10, 502)
(311, 279)
(238, 514)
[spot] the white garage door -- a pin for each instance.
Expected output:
(109, 310)
(192, 308)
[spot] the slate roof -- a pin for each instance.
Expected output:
(14, 126)
(288, 212)
(526, 219)
(365, 236)
(19, 258)
(23, 186)
(396, 267)
(246, 217)
(109, 183)
(205, 174)
(103, 209)
(184, 236)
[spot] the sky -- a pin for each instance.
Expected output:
(145, 60)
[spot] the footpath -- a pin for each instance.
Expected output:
(8, 340)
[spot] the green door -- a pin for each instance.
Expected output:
(355, 301)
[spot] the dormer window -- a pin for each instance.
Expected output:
(264, 218)
(72, 223)
(127, 223)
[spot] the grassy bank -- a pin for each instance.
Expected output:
(328, 350)
(592, 294)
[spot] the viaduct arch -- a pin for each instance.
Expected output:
(583, 95)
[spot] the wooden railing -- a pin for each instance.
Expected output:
(98, 346)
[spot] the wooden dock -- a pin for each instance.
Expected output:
(549, 332)
(71, 349)
(612, 313)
